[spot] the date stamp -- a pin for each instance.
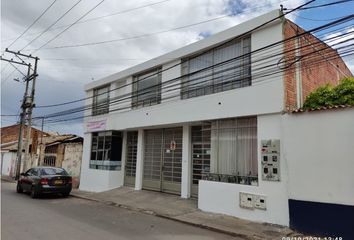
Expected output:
(312, 238)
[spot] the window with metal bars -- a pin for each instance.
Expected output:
(226, 150)
(220, 69)
(100, 101)
(132, 148)
(147, 89)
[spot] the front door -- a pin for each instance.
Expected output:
(130, 159)
(163, 160)
(201, 147)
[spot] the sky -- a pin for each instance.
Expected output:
(135, 27)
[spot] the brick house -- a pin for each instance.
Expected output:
(45, 149)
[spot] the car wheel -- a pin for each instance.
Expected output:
(34, 193)
(19, 188)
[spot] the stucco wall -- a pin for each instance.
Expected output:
(97, 180)
(320, 155)
(72, 158)
(264, 96)
(224, 197)
(8, 163)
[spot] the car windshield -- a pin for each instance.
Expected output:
(53, 171)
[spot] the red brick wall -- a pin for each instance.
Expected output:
(315, 70)
(10, 133)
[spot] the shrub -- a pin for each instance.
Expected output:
(327, 96)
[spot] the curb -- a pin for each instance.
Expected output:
(8, 180)
(149, 212)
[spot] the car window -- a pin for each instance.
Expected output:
(29, 172)
(53, 171)
(35, 172)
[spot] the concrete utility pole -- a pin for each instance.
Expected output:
(27, 108)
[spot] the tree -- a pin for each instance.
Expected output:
(328, 96)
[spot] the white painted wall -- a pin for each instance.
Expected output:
(8, 163)
(224, 197)
(265, 96)
(97, 180)
(72, 158)
(320, 155)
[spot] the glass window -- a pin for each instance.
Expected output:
(100, 101)
(106, 150)
(147, 89)
(233, 150)
(219, 69)
(53, 171)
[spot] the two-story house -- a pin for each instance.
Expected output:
(201, 121)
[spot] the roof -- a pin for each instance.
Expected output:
(324, 108)
(48, 141)
(189, 50)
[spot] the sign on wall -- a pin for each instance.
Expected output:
(96, 125)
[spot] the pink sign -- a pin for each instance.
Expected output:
(96, 125)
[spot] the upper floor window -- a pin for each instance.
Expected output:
(100, 101)
(147, 89)
(220, 69)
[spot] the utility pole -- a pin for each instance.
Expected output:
(27, 108)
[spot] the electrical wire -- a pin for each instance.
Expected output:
(72, 24)
(143, 35)
(34, 22)
(178, 88)
(57, 121)
(104, 16)
(55, 22)
(349, 17)
(325, 5)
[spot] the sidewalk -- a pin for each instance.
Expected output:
(186, 211)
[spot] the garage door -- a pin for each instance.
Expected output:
(163, 160)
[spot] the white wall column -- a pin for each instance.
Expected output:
(139, 161)
(186, 162)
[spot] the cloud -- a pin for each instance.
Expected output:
(63, 72)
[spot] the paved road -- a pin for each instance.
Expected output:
(52, 218)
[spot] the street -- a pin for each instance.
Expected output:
(53, 218)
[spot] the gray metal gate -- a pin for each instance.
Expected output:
(130, 160)
(201, 147)
(163, 160)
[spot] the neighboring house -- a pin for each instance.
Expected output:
(47, 150)
(9, 139)
(206, 120)
(63, 151)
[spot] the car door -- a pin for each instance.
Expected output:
(25, 180)
(33, 178)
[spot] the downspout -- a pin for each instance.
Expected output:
(298, 72)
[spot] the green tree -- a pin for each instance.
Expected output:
(327, 96)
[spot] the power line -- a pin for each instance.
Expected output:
(168, 85)
(258, 50)
(137, 36)
(108, 15)
(67, 28)
(55, 22)
(32, 23)
(56, 121)
(325, 5)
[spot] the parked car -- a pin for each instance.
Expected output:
(45, 180)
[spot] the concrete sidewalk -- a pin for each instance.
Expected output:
(185, 210)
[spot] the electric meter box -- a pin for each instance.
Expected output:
(270, 154)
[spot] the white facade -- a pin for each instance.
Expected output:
(263, 100)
